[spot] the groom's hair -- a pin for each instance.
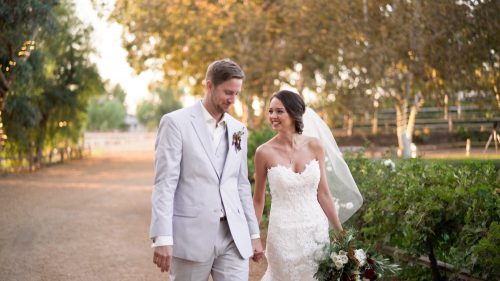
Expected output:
(222, 70)
(294, 106)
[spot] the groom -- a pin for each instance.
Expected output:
(203, 221)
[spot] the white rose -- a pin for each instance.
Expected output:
(344, 259)
(334, 257)
(339, 264)
(360, 255)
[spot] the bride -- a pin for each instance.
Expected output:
(302, 205)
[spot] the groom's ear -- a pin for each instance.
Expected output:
(208, 85)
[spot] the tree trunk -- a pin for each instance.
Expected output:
(2, 134)
(244, 114)
(254, 121)
(365, 11)
(30, 158)
(436, 275)
(301, 84)
(40, 142)
(61, 154)
(446, 113)
(375, 122)
(401, 129)
(81, 148)
(349, 123)
(419, 102)
(497, 95)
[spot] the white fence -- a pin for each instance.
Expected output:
(120, 141)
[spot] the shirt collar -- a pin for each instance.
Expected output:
(209, 118)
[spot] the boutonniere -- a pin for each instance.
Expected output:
(237, 140)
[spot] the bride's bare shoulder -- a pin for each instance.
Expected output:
(313, 143)
(266, 148)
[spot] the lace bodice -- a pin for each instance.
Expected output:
(291, 189)
(297, 224)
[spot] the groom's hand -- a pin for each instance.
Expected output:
(163, 257)
(258, 251)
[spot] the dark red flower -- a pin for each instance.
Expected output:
(370, 274)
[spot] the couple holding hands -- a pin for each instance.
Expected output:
(204, 219)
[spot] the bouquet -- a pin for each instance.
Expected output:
(342, 261)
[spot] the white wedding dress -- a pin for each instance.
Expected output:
(298, 227)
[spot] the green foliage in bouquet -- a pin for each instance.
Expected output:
(341, 260)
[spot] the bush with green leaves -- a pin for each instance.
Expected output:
(445, 212)
(486, 254)
(255, 139)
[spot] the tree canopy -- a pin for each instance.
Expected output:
(50, 79)
(355, 55)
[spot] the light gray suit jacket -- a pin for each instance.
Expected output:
(188, 189)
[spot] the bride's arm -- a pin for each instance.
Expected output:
(324, 195)
(260, 183)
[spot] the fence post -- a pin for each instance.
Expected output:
(61, 154)
(467, 148)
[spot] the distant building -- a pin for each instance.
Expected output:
(133, 124)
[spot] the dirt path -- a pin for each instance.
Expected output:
(84, 220)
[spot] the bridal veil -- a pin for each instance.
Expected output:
(344, 190)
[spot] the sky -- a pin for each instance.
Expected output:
(111, 57)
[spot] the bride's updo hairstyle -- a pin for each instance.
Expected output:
(294, 106)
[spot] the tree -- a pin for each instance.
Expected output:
(107, 112)
(183, 37)
(355, 55)
(405, 52)
(20, 24)
(168, 101)
(106, 115)
(70, 80)
(164, 101)
(53, 87)
(146, 114)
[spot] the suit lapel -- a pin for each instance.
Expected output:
(200, 127)
(231, 152)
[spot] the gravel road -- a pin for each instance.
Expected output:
(83, 220)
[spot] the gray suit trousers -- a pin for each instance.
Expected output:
(226, 263)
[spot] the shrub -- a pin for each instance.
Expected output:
(430, 208)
